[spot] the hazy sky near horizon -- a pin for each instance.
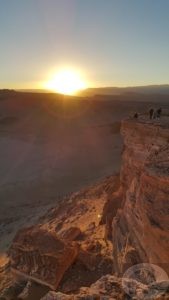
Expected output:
(112, 42)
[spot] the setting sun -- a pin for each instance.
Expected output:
(66, 82)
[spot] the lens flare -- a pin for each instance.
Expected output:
(66, 82)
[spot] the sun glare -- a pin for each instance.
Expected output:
(66, 82)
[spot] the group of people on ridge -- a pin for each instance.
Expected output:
(153, 114)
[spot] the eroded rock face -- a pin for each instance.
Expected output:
(38, 254)
(141, 227)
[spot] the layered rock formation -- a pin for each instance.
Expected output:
(141, 227)
(39, 255)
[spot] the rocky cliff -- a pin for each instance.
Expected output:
(141, 226)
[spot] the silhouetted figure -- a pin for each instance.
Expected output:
(158, 112)
(136, 116)
(155, 115)
(151, 113)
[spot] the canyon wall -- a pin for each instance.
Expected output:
(141, 226)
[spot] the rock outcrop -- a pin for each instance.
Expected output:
(38, 254)
(67, 249)
(141, 226)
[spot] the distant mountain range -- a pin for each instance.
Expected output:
(108, 91)
(149, 89)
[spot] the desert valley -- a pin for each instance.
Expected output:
(67, 170)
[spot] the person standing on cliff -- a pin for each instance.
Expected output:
(159, 112)
(151, 112)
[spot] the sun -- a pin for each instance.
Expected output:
(66, 82)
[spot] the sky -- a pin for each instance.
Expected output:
(111, 42)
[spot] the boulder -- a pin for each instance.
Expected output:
(39, 255)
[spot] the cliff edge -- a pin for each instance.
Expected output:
(141, 226)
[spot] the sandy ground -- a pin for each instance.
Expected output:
(32, 182)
